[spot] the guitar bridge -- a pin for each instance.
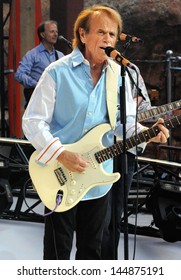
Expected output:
(60, 176)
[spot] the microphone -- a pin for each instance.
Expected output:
(120, 59)
(65, 40)
(134, 39)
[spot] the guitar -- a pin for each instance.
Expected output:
(55, 180)
(163, 109)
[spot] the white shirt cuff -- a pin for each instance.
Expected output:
(50, 153)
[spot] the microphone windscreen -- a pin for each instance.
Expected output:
(108, 50)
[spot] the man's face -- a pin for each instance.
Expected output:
(103, 33)
(51, 33)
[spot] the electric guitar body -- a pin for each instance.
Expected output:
(55, 179)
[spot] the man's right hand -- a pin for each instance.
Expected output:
(73, 161)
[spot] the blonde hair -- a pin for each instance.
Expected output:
(83, 21)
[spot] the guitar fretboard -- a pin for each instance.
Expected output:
(158, 110)
(133, 141)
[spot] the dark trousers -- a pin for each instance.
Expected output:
(87, 218)
(27, 95)
(115, 209)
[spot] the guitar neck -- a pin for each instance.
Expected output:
(133, 141)
(142, 116)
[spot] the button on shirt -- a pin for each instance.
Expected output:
(33, 64)
(65, 105)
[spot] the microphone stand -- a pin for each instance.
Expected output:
(124, 160)
(124, 155)
(124, 165)
(126, 46)
(124, 171)
(122, 182)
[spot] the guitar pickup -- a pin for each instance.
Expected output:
(60, 176)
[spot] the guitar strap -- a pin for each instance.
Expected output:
(56, 55)
(112, 91)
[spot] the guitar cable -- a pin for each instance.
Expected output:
(54, 237)
(57, 202)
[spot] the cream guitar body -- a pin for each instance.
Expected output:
(53, 179)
